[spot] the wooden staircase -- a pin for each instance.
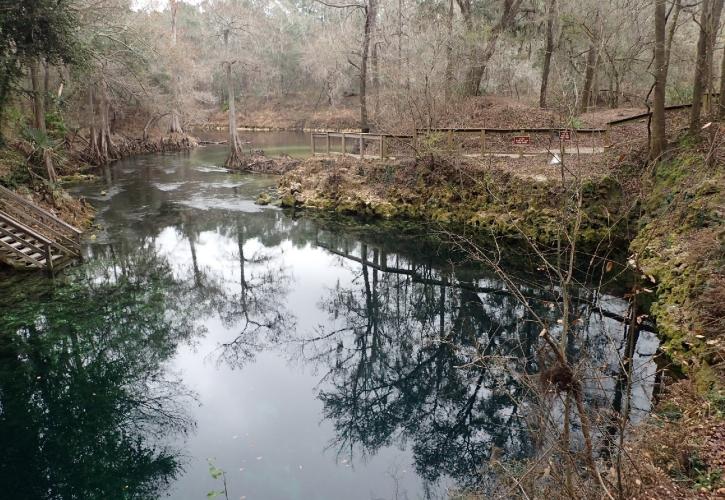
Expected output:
(33, 238)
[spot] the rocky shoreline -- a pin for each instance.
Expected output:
(441, 191)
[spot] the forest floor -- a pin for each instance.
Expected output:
(299, 112)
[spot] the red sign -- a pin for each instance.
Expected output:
(521, 139)
(565, 135)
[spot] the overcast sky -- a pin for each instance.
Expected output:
(158, 4)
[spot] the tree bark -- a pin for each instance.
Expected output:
(375, 81)
(588, 77)
(175, 122)
(659, 138)
(721, 101)
(235, 160)
(39, 119)
(479, 62)
(46, 84)
(5, 83)
(370, 13)
(93, 152)
(548, 51)
(698, 87)
(717, 6)
(671, 34)
(38, 99)
(449, 52)
(105, 143)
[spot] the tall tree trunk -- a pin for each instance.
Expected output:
(93, 152)
(588, 77)
(721, 101)
(235, 160)
(370, 13)
(698, 86)
(175, 122)
(400, 41)
(659, 138)
(548, 51)
(105, 143)
(46, 84)
(712, 30)
(480, 61)
(38, 99)
(375, 81)
(671, 34)
(449, 52)
(8, 73)
(39, 118)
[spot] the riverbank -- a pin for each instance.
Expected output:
(22, 170)
(669, 219)
(497, 195)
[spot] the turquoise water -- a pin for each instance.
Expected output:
(307, 358)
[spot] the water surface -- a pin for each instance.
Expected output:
(307, 358)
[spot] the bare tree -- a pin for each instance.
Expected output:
(721, 102)
(175, 124)
(479, 61)
(370, 11)
(548, 51)
(659, 139)
(591, 65)
(709, 21)
(226, 19)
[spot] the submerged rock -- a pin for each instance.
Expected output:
(263, 199)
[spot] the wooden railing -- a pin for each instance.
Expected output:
(602, 135)
(361, 140)
(341, 143)
(42, 245)
(64, 236)
(484, 133)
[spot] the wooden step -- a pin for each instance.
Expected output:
(26, 246)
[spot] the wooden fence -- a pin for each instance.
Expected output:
(361, 140)
(338, 143)
(490, 140)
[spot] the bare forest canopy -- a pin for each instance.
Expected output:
(96, 68)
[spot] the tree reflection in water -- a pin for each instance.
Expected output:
(419, 354)
(412, 350)
(85, 402)
(246, 291)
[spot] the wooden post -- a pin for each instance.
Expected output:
(312, 142)
(521, 155)
(48, 258)
(362, 147)
(327, 143)
(483, 142)
(343, 144)
(382, 146)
